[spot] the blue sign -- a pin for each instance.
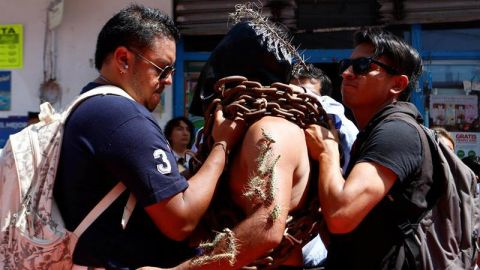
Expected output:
(11, 125)
(5, 90)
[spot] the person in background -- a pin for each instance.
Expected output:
(381, 179)
(445, 137)
(179, 132)
(112, 138)
(473, 162)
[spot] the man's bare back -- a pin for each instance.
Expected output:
(267, 206)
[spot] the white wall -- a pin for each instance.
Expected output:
(75, 37)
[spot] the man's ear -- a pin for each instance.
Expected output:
(120, 58)
(400, 84)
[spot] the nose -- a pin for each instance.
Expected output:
(348, 73)
(168, 80)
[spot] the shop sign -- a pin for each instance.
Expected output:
(11, 46)
(453, 112)
(466, 143)
(11, 125)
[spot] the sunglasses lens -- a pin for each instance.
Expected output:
(344, 64)
(361, 65)
(167, 71)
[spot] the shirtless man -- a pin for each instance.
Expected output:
(269, 170)
(292, 171)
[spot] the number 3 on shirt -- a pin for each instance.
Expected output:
(164, 166)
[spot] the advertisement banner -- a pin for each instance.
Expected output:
(11, 46)
(466, 143)
(453, 112)
(5, 90)
(11, 125)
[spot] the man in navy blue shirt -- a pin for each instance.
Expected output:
(110, 138)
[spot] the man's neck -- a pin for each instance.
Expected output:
(364, 115)
(108, 75)
(180, 150)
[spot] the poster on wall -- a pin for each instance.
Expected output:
(11, 125)
(466, 143)
(5, 90)
(11, 46)
(453, 112)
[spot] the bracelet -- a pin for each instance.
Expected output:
(223, 146)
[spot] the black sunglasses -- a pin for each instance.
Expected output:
(163, 73)
(361, 65)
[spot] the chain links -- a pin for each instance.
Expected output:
(250, 101)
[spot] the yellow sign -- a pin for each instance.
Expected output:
(11, 46)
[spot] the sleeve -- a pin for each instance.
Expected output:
(139, 155)
(395, 145)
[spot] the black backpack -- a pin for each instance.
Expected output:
(446, 235)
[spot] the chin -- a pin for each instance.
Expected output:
(151, 108)
(346, 102)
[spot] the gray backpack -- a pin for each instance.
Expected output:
(446, 235)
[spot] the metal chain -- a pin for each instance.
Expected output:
(250, 101)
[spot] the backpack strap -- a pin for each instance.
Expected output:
(99, 208)
(407, 227)
(101, 90)
(120, 187)
(47, 112)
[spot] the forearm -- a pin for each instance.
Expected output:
(179, 215)
(331, 186)
(345, 203)
(253, 238)
(198, 195)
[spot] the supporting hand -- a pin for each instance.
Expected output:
(226, 131)
(321, 140)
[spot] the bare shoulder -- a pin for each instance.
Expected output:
(285, 138)
(277, 127)
(275, 144)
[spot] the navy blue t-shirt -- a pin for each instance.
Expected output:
(108, 139)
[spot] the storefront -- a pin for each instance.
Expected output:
(447, 92)
(451, 83)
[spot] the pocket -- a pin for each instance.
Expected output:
(36, 253)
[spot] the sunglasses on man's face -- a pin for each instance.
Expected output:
(163, 73)
(362, 65)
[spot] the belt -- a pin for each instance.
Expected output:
(81, 267)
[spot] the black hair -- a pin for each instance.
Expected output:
(254, 47)
(473, 162)
(175, 122)
(313, 72)
(404, 58)
(133, 27)
(33, 115)
(442, 132)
